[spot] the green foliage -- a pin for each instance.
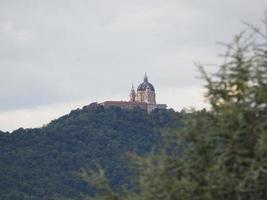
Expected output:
(99, 180)
(222, 153)
(42, 163)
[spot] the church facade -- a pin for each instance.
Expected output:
(144, 97)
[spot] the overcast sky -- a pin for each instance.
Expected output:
(58, 55)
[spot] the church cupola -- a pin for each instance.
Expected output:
(145, 85)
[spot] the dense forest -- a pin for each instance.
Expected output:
(42, 163)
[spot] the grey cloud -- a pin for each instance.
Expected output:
(57, 51)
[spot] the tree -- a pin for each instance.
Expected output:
(221, 153)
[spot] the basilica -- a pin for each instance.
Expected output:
(144, 98)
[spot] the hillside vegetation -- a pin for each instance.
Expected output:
(42, 163)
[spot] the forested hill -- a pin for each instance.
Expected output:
(41, 163)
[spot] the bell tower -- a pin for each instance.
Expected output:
(132, 94)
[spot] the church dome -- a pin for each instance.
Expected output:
(145, 85)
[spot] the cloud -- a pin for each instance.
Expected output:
(35, 117)
(55, 51)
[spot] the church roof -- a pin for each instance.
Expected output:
(125, 104)
(145, 85)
